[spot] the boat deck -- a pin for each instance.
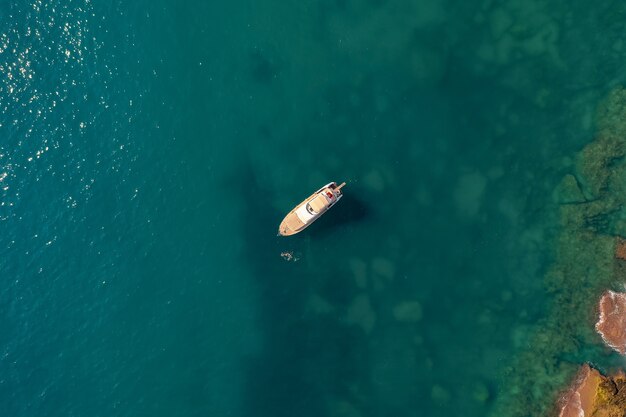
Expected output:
(292, 222)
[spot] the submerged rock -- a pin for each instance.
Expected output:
(375, 181)
(480, 393)
(568, 191)
(409, 311)
(384, 268)
(361, 313)
(318, 305)
(612, 320)
(439, 394)
(468, 193)
(584, 264)
(620, 249)
(593, 394)
(596, 162)
(383, 271)
(358, 267)
(343, 408)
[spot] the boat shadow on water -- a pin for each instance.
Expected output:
(346, 214)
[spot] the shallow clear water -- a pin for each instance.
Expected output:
(148, 151)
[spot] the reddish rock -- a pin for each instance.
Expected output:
(580, 398)
(620, 249)
(593, 394)
(611, 322)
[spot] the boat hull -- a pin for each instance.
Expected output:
(311, 209)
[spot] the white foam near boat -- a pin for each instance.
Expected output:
(310, 209)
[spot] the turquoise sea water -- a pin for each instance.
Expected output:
(149, 149)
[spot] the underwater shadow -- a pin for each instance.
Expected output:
(276, 381)
(347, 213)
(303, 357)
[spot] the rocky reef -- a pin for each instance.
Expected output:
(593, 394)
(590, 202)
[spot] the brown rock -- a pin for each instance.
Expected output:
(611, 322)
(593, 394)
(620, 249)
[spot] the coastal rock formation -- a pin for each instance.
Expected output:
(612, 320)
(593, 394)
(580, 398)
(590, 205)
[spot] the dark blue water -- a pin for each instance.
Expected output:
(149, 150)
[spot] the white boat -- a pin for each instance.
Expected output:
(310, 209)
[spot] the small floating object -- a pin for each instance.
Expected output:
(289, 256)
(310, 209)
